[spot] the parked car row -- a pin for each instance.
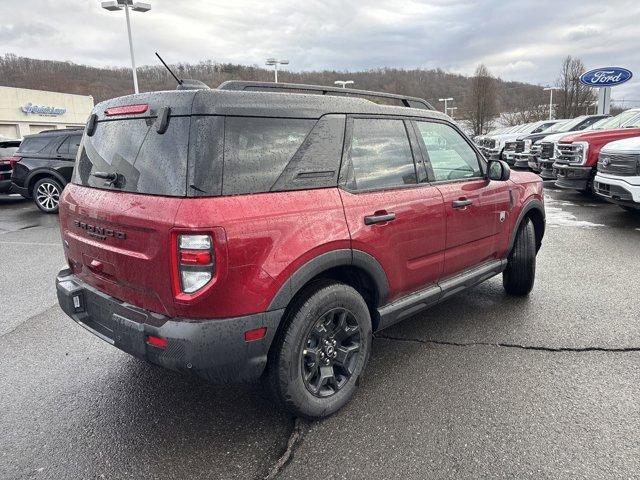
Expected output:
(592, 154)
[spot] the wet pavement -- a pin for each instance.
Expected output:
(483, 385)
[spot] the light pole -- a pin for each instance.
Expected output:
(275, 63)
(445, 100)
(116, 5)
(451, 109)
(344, 83)
(550, 90)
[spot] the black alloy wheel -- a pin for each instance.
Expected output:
(328, 359)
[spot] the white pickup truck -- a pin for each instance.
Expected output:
(618, 177)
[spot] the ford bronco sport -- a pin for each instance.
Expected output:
(265, 232)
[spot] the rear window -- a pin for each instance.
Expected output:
(144, 160)
(34, 144)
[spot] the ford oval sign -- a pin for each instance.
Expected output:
(606, 77)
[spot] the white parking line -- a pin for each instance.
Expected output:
(36, 244)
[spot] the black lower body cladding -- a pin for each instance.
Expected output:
(212, 349)
(573, 177)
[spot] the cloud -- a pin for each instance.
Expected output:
(523, 41)
(582, 31)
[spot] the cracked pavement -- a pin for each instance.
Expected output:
(481, 386)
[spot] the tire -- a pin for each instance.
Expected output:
(295, 365)
(519, 276)
(46, 194)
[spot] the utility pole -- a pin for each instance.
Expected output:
(451, 109)
(344, 83)
(550, 90)
(117, 5)
(445, 100)
(273, 62)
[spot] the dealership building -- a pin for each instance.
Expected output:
(24, 112)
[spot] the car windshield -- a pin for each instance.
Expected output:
(557, 127)
(634, 122)
(570, 125)
(615, 122)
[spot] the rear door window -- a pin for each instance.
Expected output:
(380, 155)
(34, 144)
(257, 150)
(144, 160)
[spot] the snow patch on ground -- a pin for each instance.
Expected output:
(557, 217)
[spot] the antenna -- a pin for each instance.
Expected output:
(170, 71)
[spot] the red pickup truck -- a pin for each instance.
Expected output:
(576, 156)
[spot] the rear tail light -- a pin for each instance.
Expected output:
(196, 262)
(10, 161)
(127, 110)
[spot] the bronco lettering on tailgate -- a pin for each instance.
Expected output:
(99, 232)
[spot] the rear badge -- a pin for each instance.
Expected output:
(100, 233)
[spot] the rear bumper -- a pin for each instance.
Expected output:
(573, 177)
(13, 188)
(212, 349)
(5, 185)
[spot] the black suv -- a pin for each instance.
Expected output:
(43, 166)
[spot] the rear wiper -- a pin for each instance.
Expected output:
(113, 179)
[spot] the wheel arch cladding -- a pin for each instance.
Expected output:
(352, 267)
(534, 211)
(40, 174)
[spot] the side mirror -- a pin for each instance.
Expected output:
(499, 170)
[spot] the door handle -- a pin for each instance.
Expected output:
(379, 218)
(463, 202)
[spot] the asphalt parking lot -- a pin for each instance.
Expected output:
(483, 385)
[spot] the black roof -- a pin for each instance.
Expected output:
(55, 132)
(259, 103)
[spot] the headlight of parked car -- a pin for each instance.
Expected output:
(581, 150)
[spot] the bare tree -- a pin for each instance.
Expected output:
(573, 97)
(480, 106)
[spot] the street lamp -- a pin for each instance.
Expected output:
(344, 83)
(550, 89)
(275, 63)
(445, 100)
(116, 5)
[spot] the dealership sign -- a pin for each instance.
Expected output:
(41, 110)
(606, 77)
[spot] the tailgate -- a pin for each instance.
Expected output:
(118, 242)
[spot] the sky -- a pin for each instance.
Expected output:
(523, 41)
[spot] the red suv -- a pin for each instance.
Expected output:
(238, 234)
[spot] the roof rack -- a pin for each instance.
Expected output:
(413, 102)
(68, 129)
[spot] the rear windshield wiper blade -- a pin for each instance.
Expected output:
(113, 179)
(111, 176)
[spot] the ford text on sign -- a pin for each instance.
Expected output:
(606, 77)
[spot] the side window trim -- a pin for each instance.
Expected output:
(65, 142)
(346, 165)
(432, 179)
